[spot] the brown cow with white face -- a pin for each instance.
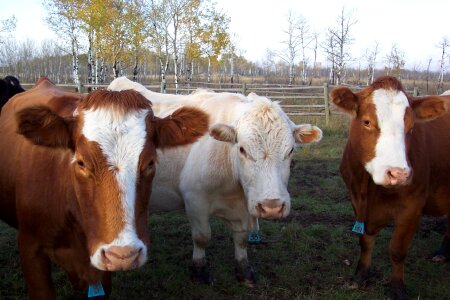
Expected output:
(76, 178)
(396, 165)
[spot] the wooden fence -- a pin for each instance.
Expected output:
(296, 100)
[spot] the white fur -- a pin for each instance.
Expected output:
(121, 139)
(211, 177)
(390, 148)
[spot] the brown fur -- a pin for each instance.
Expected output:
(183, 127)
(427, 153)
(50, 198)
(43, 127)
(123, 101)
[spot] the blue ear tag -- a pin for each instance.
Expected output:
(254, 237)
(358, 227)
(95, 290)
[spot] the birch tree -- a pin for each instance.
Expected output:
(292, 43)
(371, 57)
(306, 38)
(160, 20)
(337, 44)
(6, 26)
(63, 20)
(214, 37)
(443, 46)
(395, 60)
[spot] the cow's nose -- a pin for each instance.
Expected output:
(397, 176)
(118, 258)
(271, 209)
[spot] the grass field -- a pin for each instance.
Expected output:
(309, 255)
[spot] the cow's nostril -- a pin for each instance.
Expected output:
(260, 208)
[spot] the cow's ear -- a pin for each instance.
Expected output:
(430, 108)
(41, 126)
(184, 126)
(345, 100)
(307, 133)
(223, 133)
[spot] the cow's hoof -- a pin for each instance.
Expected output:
(200, 273)
(439, 258)
(352, 284)
(361, 279)
(398, 293)
(245, 274)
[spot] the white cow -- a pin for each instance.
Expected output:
(239, 172)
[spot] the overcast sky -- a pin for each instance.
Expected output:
(416, 26)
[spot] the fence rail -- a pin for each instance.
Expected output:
(296, 100)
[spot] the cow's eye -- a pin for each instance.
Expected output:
(245, 154)
(82, 169)
(242, 151)
(292, 151)
(151, 165)
(81, 164)
(367, 123)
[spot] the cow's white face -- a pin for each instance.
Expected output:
(381, 132)
(121, 138)
(264, 140)
(389, 166)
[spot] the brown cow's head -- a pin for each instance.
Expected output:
(383, 119)
(113, 137)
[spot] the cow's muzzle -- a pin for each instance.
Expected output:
(117, 258)
(397, 176)
(271, 209)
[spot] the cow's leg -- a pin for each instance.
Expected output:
(244, 271)
(201, 234)
(362, 272)
(443, 253)
(405, 227)
(36, 268)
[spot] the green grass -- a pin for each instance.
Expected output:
(308, 255)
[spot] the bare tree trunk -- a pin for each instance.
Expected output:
(444, 45)
(232, 68)
(135, 69)
(291, 73)
(75, 63)
(90, 66)
(428, 73)
(209, 69)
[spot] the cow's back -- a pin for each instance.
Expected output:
(205, 164)
(18, 157)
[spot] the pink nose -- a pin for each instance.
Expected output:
(118, 258)
(397, 176)
(271, 209)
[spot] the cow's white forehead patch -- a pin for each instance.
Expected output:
(121, 137)
(265, 127)
(390, 150)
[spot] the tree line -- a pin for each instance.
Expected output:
(151, 40)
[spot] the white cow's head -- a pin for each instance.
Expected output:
(263, 141)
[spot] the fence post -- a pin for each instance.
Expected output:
(416, 91)
(326, 103)
(244, 89)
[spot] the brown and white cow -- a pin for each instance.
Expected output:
(238, 172)
(396, 165)
(76, 177)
